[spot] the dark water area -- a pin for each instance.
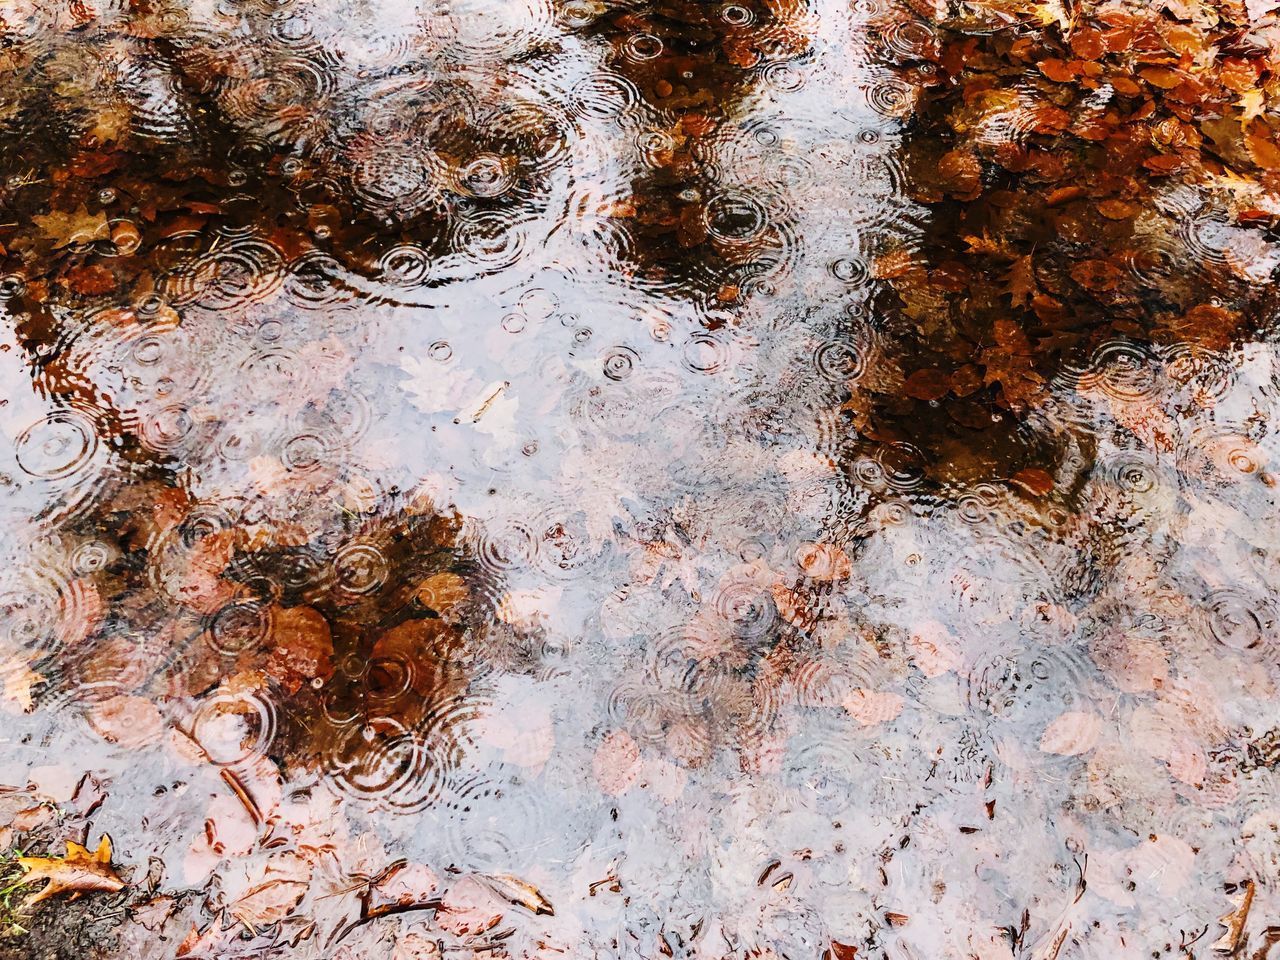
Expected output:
(559, 478)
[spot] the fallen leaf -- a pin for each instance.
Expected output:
(1035, 481)
(1072, 733)
(442, 591)
(823, 561)
(870, 707)
(1234, 921)
(78, 226)
(469, 908)
(78, 872)
(616, 763)
(404, 885)
(517, 892)
(268, 902)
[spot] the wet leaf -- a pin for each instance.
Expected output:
(78, 226)
(518, 892)
(616, 764)
(79, 871)
(1072, 733)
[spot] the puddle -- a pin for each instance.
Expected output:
(768, 479)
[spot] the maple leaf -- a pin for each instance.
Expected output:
(78, 872)
(77, 226)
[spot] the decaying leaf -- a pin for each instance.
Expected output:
(518, 892)
(1235, 921)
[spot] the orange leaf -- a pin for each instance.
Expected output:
(1034, 480)
(78, 872)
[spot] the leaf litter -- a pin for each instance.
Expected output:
(773, 479)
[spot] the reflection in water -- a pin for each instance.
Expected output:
(752, 479)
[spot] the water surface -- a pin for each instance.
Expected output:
(587, 479)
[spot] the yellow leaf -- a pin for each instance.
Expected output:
(77, 226)
(1054, 11)
(78, 872)
(1252, 104)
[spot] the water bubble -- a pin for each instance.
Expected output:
(1122, 370)
(486, 177)
(890, 97)
(850, 270)
(304, 451)
(387, 765)
(839, 361)
(167, 430)
(238, 271)
(91, 556)
(706, 352)
(605, 96)
(315, 280)
(511, 546)
(908, 39)
(490, 241)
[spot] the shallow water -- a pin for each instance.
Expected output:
(768, 479)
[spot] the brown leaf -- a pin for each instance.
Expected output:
(1063, 195)
(153, 913)
(1021, 281)
(91, 280)
(442, 591)
(517, 892)
(1097, 275)
(870, 707)
(927, 383)
(302, 646)
(469, 908)
(1234, 921)
(78, 226)
(1117, 209)
(1264, 152)
(268, 902)
(1035, 481)
(1059, 71)
(78, 872)
(404, 885)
